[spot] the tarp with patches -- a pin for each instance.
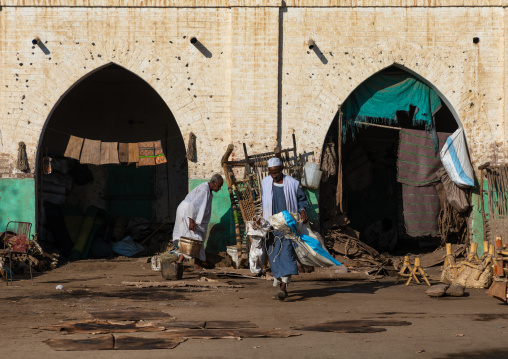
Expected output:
(378, 99)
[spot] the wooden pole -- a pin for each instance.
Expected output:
(338, 197)
(230, 182)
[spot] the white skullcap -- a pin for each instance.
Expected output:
(274, 162)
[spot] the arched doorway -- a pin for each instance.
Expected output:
(374, 195)
(115, 105)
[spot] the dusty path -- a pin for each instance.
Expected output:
(468, 327)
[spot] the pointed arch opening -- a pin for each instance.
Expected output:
(389, 193)
(110, 104)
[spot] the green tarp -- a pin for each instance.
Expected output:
(378, 99)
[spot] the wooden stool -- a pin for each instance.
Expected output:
(489, 258)
(406, 269)
(472, 256)
(417, 271)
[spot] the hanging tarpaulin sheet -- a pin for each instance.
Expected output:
(378, 99)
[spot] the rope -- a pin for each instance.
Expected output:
(69, 134)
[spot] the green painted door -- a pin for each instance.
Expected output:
(130, 191)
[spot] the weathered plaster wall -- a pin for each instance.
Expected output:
(152, 43)
(435, 43)
(254, 79)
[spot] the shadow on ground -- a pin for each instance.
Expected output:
(155, 294)
(325, 290)
(484, 354)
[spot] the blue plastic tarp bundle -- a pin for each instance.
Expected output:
(308, 249)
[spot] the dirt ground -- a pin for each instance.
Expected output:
(469, 327)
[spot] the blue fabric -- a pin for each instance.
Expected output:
(280, 251)
(302, 200)
(378, 99)
(312, 242)
(281, 255)
(278, 199)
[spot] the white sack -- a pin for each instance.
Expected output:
(257, 229)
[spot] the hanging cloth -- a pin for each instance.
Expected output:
(417, 162)
(378, 99)
(133, 153)
(91, 153)
(74, 147)
(160, 158)
(109, 153)
(147, 153)
(421, 208)
(123, 152)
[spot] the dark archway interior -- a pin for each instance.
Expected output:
(113, 105)
(382, 199)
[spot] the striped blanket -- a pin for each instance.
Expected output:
(421, 209)
(417, 164)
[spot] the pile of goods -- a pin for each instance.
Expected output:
(35, 256)
(344, 244)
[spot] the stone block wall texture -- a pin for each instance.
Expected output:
(254, 79)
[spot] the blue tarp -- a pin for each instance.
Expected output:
(311, 242)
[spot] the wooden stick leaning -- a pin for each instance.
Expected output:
(230, 181)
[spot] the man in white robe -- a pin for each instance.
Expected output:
(193, 215)
(281, 193)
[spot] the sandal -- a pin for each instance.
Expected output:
(281, 295)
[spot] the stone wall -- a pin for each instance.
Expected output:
(251, 77)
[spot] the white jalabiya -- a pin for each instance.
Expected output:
(198, 206)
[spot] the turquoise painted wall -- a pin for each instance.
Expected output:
(221, 230)
(17, 201)
(477, 220)
(313, 206)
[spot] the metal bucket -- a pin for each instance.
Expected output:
(171, 270)
(190, 247)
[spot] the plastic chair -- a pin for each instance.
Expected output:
(17, 243)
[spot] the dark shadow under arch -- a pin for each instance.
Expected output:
(381, 144)
(112, 104)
